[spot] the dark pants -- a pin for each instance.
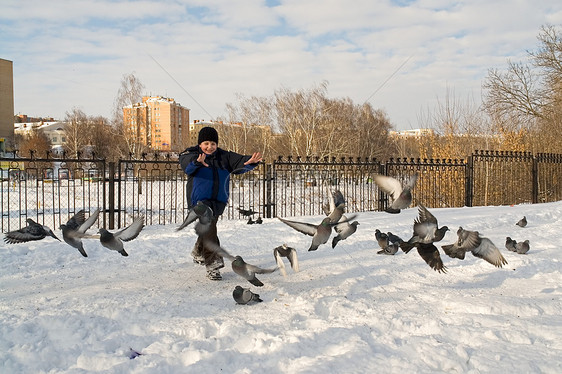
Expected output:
(212, 259)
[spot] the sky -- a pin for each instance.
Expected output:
(347, 309)
(404, 57)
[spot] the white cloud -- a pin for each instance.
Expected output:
(215, 49)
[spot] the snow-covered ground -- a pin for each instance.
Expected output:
(348, 310)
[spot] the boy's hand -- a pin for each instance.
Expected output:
(256, 157)
(201, 159)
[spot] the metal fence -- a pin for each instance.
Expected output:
(50, 190)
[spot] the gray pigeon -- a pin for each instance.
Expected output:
(390, 249)
(344, 230)
(382, 239)
(115, 241)
(200, 211)
(471, 241)
(522, 247)
(393, 239)
(245, 296)
(510, 244)
(239, 266)
(75, 229)
(33, 231)
(522, 222)
(320, 233)
(246, 212)
(288, 252)
(426, 230)
(400, 196)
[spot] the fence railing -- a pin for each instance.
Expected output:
(50, 190)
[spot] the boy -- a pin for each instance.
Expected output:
(208, 170)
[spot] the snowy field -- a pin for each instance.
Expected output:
(348, 310)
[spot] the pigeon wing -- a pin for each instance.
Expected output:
(257, 270)
(489, 252)
(425, 215)
(219, 250)
(76, 220)
(389, 185)
(430, 255)
(302, 227)
(132, 231)
(279, 261)
(22, 236)
(191, 217)
(89, 222)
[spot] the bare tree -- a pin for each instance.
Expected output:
(309, 123)
(525, 101)
(76, 131)
(129, 93)
(37, 142)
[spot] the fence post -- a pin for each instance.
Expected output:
(535, 173)
(469, 180)
(111, 191)
(268, 193)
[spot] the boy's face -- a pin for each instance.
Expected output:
(208, 147)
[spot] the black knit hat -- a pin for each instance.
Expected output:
(208, 134)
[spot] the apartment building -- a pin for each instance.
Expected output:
(6, 102)
(158, 122)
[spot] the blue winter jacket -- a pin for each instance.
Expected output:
(211, 184)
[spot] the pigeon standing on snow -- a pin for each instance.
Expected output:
(393, 241)
(246, 212)
(344, 230)
(245, 296)
(522, 247)
(522, 222)
(510, 244)
(390, 249)
(382, 239)
(239, 266)
(288, 252)
(471, 241)
(115, 241)
(33, 231)
(75, 229)
(400, 196)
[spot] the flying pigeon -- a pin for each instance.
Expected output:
(430, 254)
(33, 231)
(400, 197)
(239, 266)
(522, 222)
(115, 241)
(426, 230)
(290, 253)
(344, 230)
(246, 212)
(245, 296)
(320, 233)
(522, 247)
(510, 244)
(382, 239)
(132, 354)
(471, 241)
(200, 211)
(75, 229)
(336, 199)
